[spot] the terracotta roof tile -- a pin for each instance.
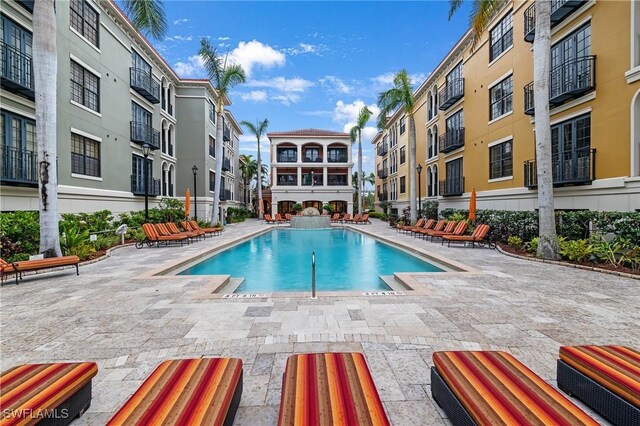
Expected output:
(309, 132)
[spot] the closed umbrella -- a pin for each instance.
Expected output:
(472, 205)
(187, 203)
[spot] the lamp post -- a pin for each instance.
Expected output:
(419, 170)
(146, 149)
(311, 177)
(194, 169)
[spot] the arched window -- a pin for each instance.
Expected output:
(170, 99)
(435, 180)
(429, 182)
(429, 144)
(430, 111)
(163, 93)
(170, 179)
(164, 179)
(165, 128)
(435, 140)
(170, 140)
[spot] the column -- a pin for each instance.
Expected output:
(324, 153)
(299, 170)
(299, 153)
(325, 181)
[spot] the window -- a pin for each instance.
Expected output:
(18, 133)
(403, 155)
(138, 174)
(570, 67)
(453, 78)
(84, 19)
(85, 87)
(140, 115)
(501, 160)
(455, 122)
(212, 112)
(403, 125)
(571, 149)
(212, 146)
(85, 156)
(403, 185)
(501, 98)
(16, 53)
(501, 36)
(212, 181)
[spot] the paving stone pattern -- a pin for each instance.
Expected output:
(129, 325)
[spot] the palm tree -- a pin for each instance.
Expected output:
(248, 167)
(370, 179)
(147, 15)
(223, 77)
(361, 121)
(481, 14)
(401, 96)
(258, 129)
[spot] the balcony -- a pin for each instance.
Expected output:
(560, 9)
(383, 149)
(451, 93)
(287, 157)
(451, 140)
(226, 164)
(383, 196)
(311, 159)
(143, 83)
(17, 71)
(225, 195)
(137, 186)
(337, 156)
(452, 186)
(287, 180)
(383, 173)
(19, 167)
(570, 168)
(27, 4)
(142, 133)
(337, 180)
(312, 179)
(226, 134)
(569, 80)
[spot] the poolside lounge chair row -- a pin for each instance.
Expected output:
(449, 231)
(346, 218)
(168, 233)
(278, 219)
(472, 387)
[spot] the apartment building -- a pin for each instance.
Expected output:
(311, 167)
(123, 116)
(479, 117)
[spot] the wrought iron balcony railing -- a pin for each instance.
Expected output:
(285, 180)
(19, 167)
(383, 196)
(137, 186)
(452, 186)
(337, 180)
(226, 134)
(451, 140)
(451, 93)
(226, 164)
(560, 9)
(142, 133)
(143, 83)
(287, 158)
(383, 149)
(576, 167)
(225, 195)
(16, 69)
(337, 156)
(383, 173)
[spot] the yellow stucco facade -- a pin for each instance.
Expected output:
(475, 128)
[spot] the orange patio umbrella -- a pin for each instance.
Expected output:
(472, 205)
(187, 203)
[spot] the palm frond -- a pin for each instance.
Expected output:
(454, 5)
(148, 16)
(263, 125)
(363, 117)
(212, 62)
(231, 76)
(250, 126)
(381, 121)
(353, 134)
(258, 129)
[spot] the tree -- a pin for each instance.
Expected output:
(361, 121)
(370, 179)
(147, 15)
(223, 77)
(481, 14)
(248, 167)
(401, 96)
(258, 129)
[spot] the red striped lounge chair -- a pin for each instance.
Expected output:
(279, 218)
(200, 391)
(606, 378)
(439, 226)
(175, 231)
(479, 237)
(287, 217)
(490, 388)
(153, 237)
(459, 229)
(346, 218)
(428, 224)
(329, 389)
(45, 393)
(269, 219)
(408, 228)
(335, 217)
(215, 230)
(187, 227)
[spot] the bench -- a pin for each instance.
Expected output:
(199, 391)
(489, 388)
(18, 268)
(53, 394)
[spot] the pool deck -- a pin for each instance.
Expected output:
(127, 320)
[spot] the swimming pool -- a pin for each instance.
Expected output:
(280, 261)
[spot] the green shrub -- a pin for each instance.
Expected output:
(376, 215)
(532, 246)
(92, 222)
(329, 209)
(430, 210)
(297, 207)
(609, 251)
(19, 235)
(576, 250)
(457, 217)
(384, 205)
(515, 241)
(136, 234)
(105, 242)
(83, 251)
(72, 237)
(631, 258)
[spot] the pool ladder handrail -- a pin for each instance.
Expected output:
(313, 275)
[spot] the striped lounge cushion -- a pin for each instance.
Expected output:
(617, 368)
(184, 392)
(329, 389)
(495, 388)
(32, 390)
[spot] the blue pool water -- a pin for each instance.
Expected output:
(280, 260)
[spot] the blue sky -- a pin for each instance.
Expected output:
(312, 64)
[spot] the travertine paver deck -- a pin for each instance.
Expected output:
(130, 325)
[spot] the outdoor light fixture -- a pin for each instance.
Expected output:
(146, 150)
(194, 169)
(419, 170)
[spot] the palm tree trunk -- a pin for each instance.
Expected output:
(548, 244)
(45, 64)
(359, 171)
(215, 216)
(259, 183)
(412, 169)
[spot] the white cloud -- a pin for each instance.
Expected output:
(223, 38)
(286, 98)
(254, 53)
(335, 84)
(180, 21)
(192, 67)
(183, 38)
(284, 90)
(306, 49)
(254, 96)
(348, 113)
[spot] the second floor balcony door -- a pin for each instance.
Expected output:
(16, 44)
(570, 66)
